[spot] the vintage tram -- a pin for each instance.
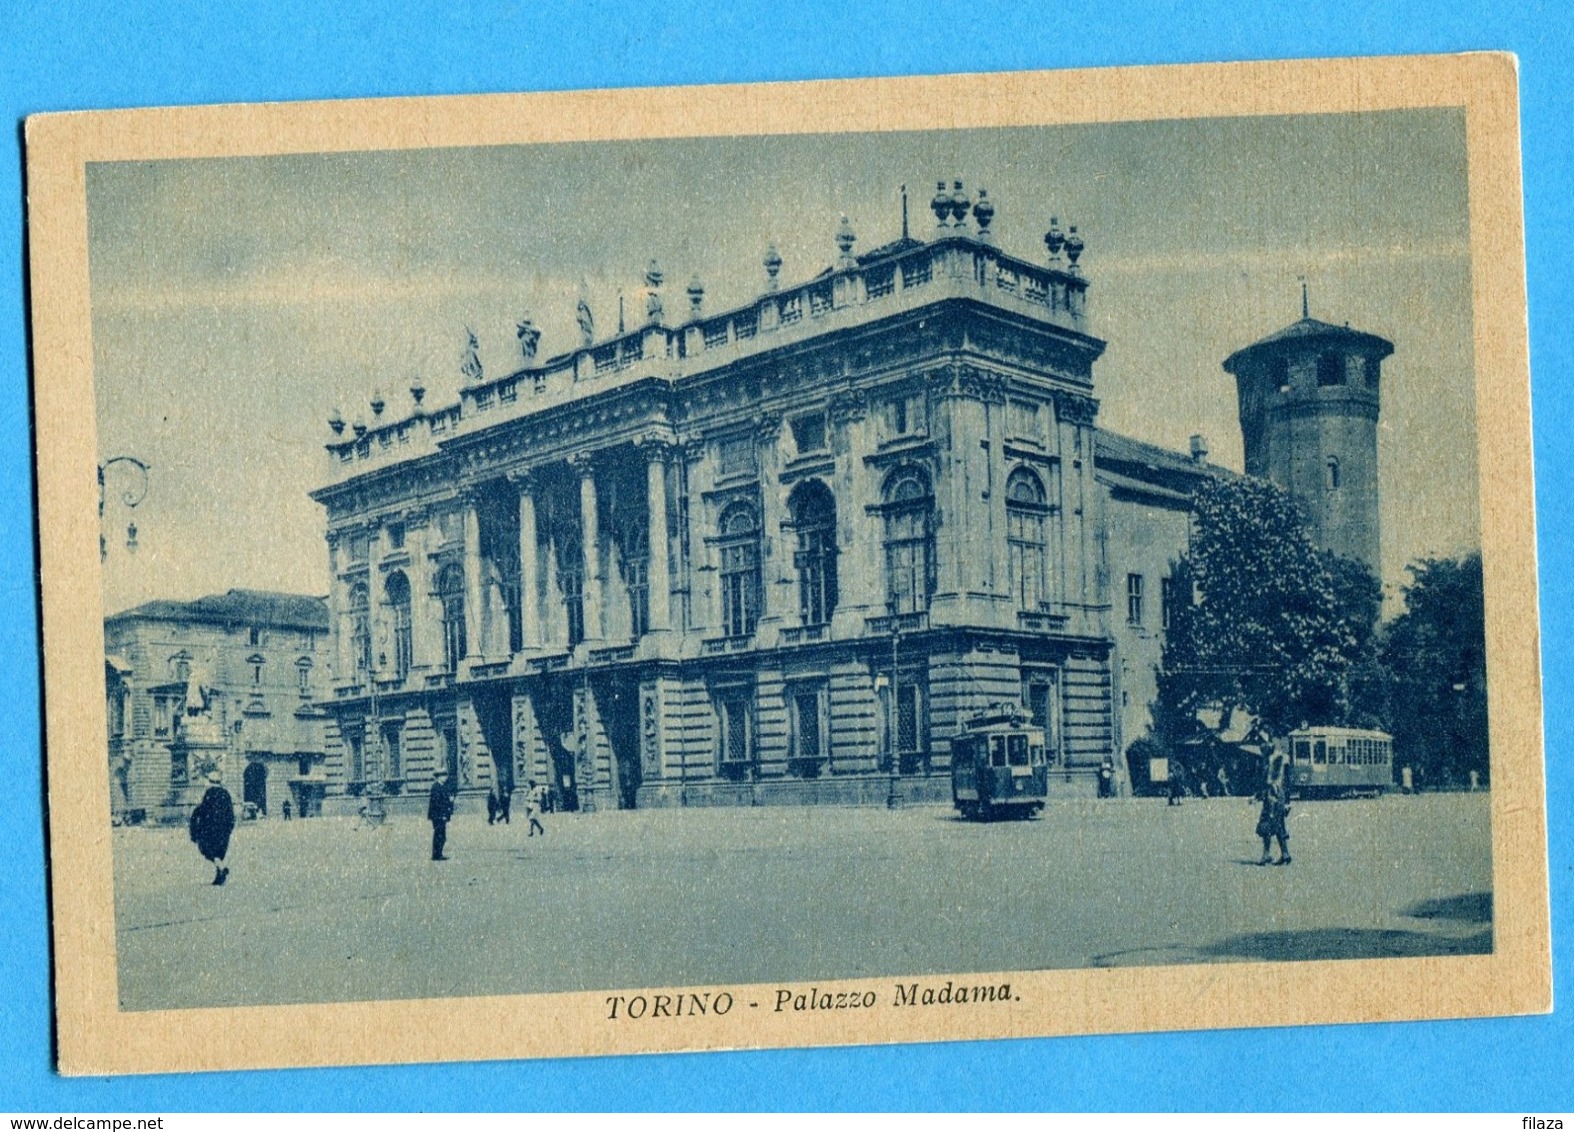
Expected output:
(997, 766)
(1326, 761)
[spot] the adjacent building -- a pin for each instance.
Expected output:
(232, 683)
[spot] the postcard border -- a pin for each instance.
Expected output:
(95, 1037)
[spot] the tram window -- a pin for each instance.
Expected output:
(1303, 751)
(1036, 752)
(1018, 749)
(1320, 753)
(997, 750)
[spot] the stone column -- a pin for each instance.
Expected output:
(529, 599)
(426, 640)
(590, 540)
(338, 603)
(656, 530)
(474, 593)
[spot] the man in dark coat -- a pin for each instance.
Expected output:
(439, 809)
(212, 822)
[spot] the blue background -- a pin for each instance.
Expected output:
(92, 55)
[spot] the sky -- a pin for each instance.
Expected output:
(237, 302)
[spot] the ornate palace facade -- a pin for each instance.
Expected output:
(773, 553)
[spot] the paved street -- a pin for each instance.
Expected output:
(323, 911)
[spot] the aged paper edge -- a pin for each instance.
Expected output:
(95, 1037)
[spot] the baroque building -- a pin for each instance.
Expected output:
(231, 683)
(775, 553)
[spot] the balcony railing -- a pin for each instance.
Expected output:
(720, 646)
(956, 265)
(805, 634)
(899, 622)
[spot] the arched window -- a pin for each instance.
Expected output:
(571, 581)
(909, 541)
(814, 519)
(740, 570)
(634, 547)
(398, 590)
(1333, 473)
(361, 630)
(451, 592)
(1330, 369)
(1025, 513)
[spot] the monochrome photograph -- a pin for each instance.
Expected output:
(796, 585)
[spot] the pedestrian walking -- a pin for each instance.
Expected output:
(1271, 825)
(535, 798)
(439, 809)
(1107, 777)
(212, 822)
(491, 807)
(505, 803)
(286, 809)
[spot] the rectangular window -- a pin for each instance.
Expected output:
(906, 416)
(808, 703)
(1330, 369)
(912, 723)
(1166, 601)
(736, 456)
(163, 717)
(396, 536)
(1024, 419)
(117, 714)
(355, 769)
(1038, 696)
(808, 433)
(1134, 599)
(734, 713)
(392, 754)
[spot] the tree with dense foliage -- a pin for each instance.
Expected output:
(1274, 627)
(1435, 652)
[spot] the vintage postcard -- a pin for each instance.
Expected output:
(841, 562)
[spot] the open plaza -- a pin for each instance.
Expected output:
(328, 910)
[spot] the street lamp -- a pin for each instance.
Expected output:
(892, 801)
(375, 813)
(134, 494)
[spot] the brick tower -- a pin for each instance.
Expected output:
(1309, 400)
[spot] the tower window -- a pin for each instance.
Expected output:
(1281, 374)
(1330, 369)
(1333, 473)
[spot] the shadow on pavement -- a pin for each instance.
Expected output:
(1472, 908)
(1346, 943)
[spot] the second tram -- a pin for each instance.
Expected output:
(1340, 760)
